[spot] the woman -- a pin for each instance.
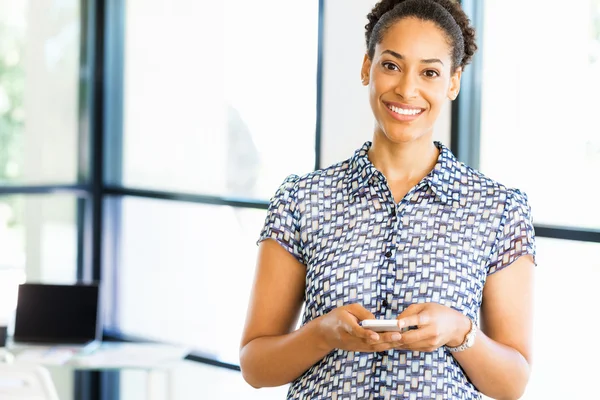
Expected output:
(401, 230)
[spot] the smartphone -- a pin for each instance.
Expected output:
(382, 325)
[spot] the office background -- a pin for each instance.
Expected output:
(140, 142)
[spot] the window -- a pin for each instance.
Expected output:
(215, 104)
(184, 271)
(39, 83)
(38, 243)
(541, 85)
(541, 96)
(214, 100)
(210, 106)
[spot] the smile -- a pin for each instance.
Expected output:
(404, 114)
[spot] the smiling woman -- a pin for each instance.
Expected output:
(425, 74)
(400, 231)
(411, 87)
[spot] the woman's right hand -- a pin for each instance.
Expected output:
(340, 329)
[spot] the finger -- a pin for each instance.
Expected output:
(352, 327)
(359, 311)
(413, 309)
(390, 337)
(416, 316)
(418, 320)
(366, 334)
(419, 337)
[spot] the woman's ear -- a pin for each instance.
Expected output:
(454, 88)
(365, 70)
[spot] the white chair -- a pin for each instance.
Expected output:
(22, 381)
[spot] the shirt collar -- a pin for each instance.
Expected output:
(444, 179)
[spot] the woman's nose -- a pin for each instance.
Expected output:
(407, 86)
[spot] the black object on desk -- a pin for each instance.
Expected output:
(57, 314)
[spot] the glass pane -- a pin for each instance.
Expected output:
(565, 320)
(184, 269)
(219, 103)
(39, 74)
(38, 243)
(541, 96)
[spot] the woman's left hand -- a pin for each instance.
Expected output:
(437, 325)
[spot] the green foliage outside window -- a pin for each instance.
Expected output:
(12, 112)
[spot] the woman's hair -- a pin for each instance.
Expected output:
(446, 14)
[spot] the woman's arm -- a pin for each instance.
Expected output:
(499, 364)
(269, 354)
(272, 353)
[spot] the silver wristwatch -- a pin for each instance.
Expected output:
(469, 339)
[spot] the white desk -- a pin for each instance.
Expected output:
(168, 377)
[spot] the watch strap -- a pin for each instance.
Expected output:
(469, 339)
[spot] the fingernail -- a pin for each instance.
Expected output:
(375, 337)
(401, 323)
(396, 337)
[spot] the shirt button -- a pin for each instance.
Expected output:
(388, 254)
(384, 303)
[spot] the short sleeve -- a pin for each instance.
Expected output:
(283, 220)
(515, 236)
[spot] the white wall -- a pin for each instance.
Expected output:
(347, 121)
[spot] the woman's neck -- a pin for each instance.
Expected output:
(403, 162)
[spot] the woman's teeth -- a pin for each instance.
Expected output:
(402, 111)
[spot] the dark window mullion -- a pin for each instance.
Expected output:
(97, 137)
(568, 233)
(77, 190)
(465, 130)
(319, 114)
(89, 218)
(186, 197)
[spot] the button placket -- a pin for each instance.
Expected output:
(389, 261)
(388, 271)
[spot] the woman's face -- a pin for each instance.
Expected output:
(409, 79)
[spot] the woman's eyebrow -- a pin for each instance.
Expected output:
(401, 57)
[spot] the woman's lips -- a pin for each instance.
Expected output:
(404, 112)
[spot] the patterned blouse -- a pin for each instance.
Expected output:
(438, 244)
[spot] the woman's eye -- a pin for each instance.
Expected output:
(430, 73)
(390, 66)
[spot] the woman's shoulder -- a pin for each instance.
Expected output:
(329, 177)
(490, 189)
